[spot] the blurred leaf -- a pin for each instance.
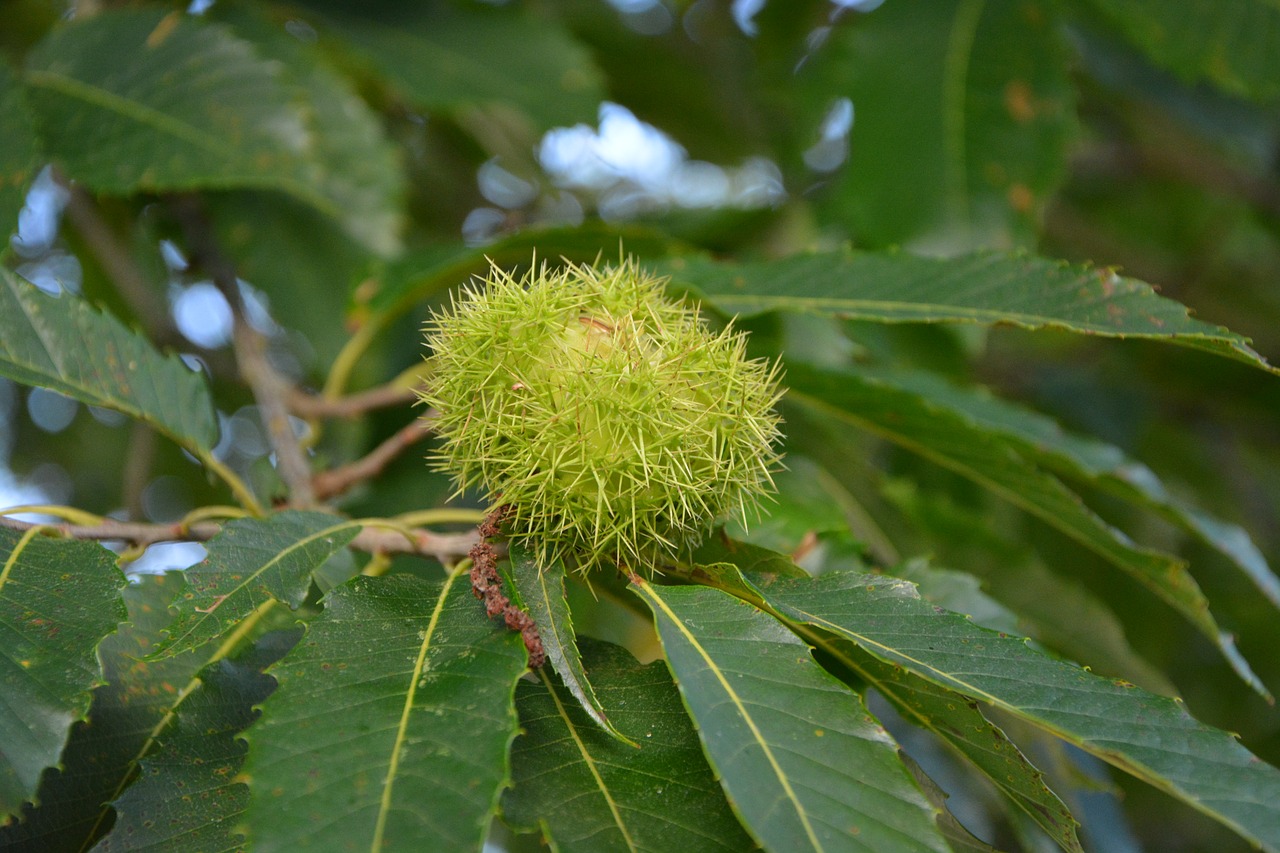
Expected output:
(141, 100)
(425, 684)
(988, 288)
(450, 57)
(543, 595)
(593, 793)
(804, 762)
(63, 343)
(251, 562)
(300, 259)
(58, 600)
(101, 757)
(1234, 43)
(982, 145)
(351, 159)
(1149, 736)
(1088, 459)
(18, 154)
(985, 458)
(186, 796)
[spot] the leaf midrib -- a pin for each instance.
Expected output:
(388, 785)
(644, 588)
(590, 762)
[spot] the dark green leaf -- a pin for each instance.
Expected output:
(592, 793)
(186, 797)
(1149, 736)
(982, 146)
(543, 596)
(126, 714)
(1234, 43)
(1088, 459)
(18, 155)
(391, 724)
(251, 562)
(804, 763)
(141, 100)
(58, 600)
(989, 288)
(453, 57)
(955, 443)
(64, 344)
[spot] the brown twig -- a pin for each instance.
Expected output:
(328, 484)
(486, 584)
(145, 299)
(445, 547)
(351, 406)
(270, 388)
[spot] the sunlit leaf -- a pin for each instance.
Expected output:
(1149, 736)
(187, 796)
(101, 756)
(988, 288)
(543, 595)
(58, 600)
(251, 563)
(418, 751)
(594, 793)
(804, 763)
(18, 155)
(953, 442)
(64, 344)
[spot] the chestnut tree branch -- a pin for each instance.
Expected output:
(352, 405)
(445, 547)
(270, 388)
(335, 481)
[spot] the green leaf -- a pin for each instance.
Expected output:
(543, 596)
(18, 154)
(251, 563)
(987, 288)
(982, 147)
(592, 793)
(1147, 735)
(425, 685)
(954, 443)
(804, 763)
(960, 723)
(351, 159)
(58, 600)
(143, 101)
(126, 714)
(453, 57)
(1087, 459)
(186, 796)
(61, 342)
(1234, 43)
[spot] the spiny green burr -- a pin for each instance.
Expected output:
(613, 424)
